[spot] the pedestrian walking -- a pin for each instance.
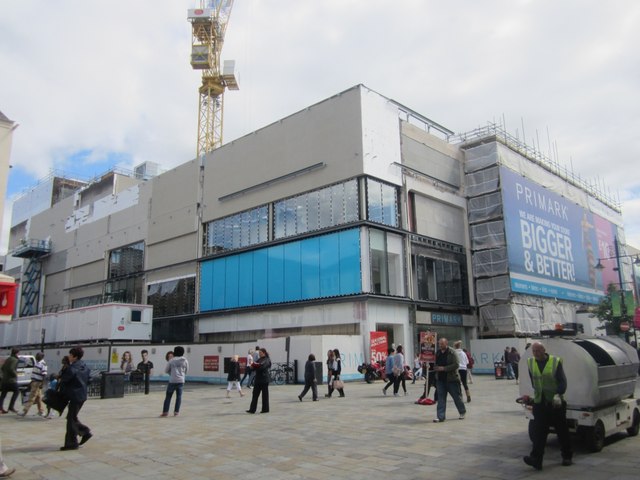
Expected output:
(447, 380)
(10, 381)
(549, 408)
(310, 381)
(54, 383)
(177, 369)
(470, 363)
(507, 364)
(514, 360)
(261, 382)
(247, 369)
(336, 382)
(233, 377)
(388, 370)
(417, 368)
(254, 359)
(463, 364)
(38, 375)
(398, 371)
(330, 362)
(73, 385)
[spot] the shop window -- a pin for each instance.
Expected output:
(172, 297)
(385, 255)
(382, 203)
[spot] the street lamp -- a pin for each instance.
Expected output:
(617, 257)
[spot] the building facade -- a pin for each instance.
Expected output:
(354, 215)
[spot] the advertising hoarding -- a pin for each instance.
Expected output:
(428, 345)
(553, 244)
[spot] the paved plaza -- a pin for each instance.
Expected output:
(363, 436)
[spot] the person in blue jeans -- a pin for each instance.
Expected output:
(177, 369)
(447, 380)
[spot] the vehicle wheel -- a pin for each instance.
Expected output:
(595, 437)
(635, 424)
(280, 379)
(531, 430)
(368, 377)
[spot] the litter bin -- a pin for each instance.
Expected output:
(498, 369)
(318, 371)
(112, 385)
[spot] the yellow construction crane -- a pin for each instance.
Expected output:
(209, 23)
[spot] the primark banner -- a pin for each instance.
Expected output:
(553, 244)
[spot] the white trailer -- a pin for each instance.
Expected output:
(105, 322)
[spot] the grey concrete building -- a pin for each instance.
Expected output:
(351, 216)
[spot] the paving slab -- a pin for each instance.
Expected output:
(363, 436)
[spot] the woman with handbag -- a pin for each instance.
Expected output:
(261, 384)
(330, 364)
(336, 383)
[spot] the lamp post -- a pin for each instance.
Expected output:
(623, 305)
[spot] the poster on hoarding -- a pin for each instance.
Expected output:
(553, 244)
(379, 345)
(211, 363)
(428, 343)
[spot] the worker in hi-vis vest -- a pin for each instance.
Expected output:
(549, 408)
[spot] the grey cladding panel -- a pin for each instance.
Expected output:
(439, 220)
(431, 162)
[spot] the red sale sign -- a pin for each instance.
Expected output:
(379, 345)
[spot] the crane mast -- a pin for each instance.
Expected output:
(209, 24)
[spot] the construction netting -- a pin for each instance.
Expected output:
(489, 263)
(525, 315)
(487, 235)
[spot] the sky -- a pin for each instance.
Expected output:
(95, 85)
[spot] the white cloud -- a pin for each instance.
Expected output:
(115, 76)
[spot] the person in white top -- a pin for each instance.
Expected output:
(417, 368)
(247, 369)
(38, 376)
(463, 362)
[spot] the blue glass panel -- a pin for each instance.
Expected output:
(310, 260)
(260, 279)
(245, 279)
(219, 275)
(276, 274)
(350, 277)
(231, 282)
(329, 265)
(206, 286)
(292, 272)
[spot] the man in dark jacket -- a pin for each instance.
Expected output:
(10, 381)
(73, 384)
(310, 381)
(447, 380)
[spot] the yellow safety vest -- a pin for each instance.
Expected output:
(544, 382)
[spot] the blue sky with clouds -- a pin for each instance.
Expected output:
(101, 84)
